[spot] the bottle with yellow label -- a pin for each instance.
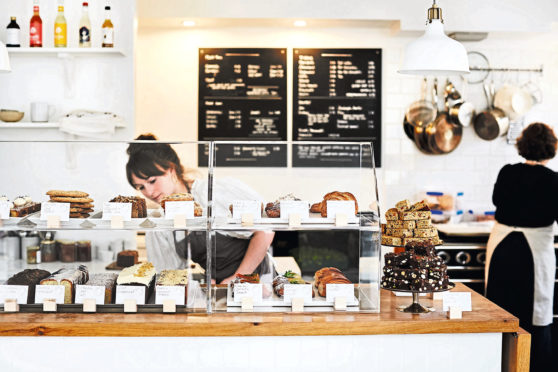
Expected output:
(60, 29)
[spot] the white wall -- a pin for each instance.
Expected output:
(167, 101)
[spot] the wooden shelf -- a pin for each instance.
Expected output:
(58, 52)
(31, 125)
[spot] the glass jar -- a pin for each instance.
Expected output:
(48, 251)
(84, 250)
(33, 254)
(68, 251)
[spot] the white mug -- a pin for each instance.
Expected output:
(40, 112)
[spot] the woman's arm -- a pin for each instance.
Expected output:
(499, 193)
(257, 249)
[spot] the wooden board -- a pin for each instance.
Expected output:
(516, 351)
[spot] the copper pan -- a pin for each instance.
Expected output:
(443, 136)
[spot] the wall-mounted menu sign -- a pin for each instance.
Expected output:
(242, 97)
(337, 97)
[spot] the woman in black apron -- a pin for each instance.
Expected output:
(156, 171)
(521, 263)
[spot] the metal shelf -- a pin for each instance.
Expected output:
(60, 52)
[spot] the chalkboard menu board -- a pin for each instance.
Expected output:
(242, 97)
(337, 97)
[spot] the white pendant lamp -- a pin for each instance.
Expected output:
(4, 58)
(434, 53)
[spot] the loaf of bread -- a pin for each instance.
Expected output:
(337, 195)
(198, 211)
(126, 258)
(30, 278)
(107, 280)
(69, 278)
(140, 275)
(328, 275)
(174, 278)
(397, 224)
(139, 208)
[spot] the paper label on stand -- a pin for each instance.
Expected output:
(47, 292)
(4, 210)
(291, 291)
(117, 209)
(17, 292)
(460, 300)
(346, 207)
(340, 290)
(289, 207)
(251, 290)
(173, 208)
(253, 207)
(95, 292)
(176, 293)
(130, 292)
(61, 210)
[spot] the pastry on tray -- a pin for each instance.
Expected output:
(81, 205)
(138, 275)
(139, 208)
(127, 258)
(30, 278)
(328, 275)
(69, 278)
(107, 280)
(335, 195)
(288, 277)
(273, 210)
(22, 206)
(198, 211)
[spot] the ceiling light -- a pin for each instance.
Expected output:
(300, 23)
(188, 23)
(434, 53)
(4, 58)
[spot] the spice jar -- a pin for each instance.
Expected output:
(84, 250)
(33, 254)
(48, 251)
(67, 250)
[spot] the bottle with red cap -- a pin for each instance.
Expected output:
(36, 27)
(85, 27)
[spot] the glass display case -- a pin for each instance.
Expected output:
(84, 225)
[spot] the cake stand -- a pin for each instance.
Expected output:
(416, 307)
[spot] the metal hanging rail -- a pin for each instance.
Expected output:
(504, 69)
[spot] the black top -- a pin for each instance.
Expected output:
(526, 195)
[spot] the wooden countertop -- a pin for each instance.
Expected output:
(485, 317)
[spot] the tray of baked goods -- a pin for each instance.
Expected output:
(408, 223)
(70, 287)
(285, 287)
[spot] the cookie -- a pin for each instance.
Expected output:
(81, 205)
(68, 199)
(72, 194)
(81, 210)
(79, 215)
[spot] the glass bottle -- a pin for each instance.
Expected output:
(60, 29)
(108, 30)
(36, 28)
(85, 27)
(12, 34)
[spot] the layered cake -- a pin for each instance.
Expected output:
(174, 278)
(30, 278)
(198, 211)
(69, 278)
(139, 208)
(288, 278)
(107, 280)
(141, 275)
(328, 275)
(408, 223)
(418, 268)
(22, 206)
(126, 258)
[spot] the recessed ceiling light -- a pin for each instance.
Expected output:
(189, 23)
(300, 23)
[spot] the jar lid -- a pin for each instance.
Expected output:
(33, 248)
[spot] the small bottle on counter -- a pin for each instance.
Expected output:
(48, 251)
(36, 28)
(13, 34)
(33, 254)
(67, 250)
(84, 250)
(60, 29)
(108, 30)
(85, 27)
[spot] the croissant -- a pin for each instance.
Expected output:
(323, 272)
(337, 195)
(316, 208)
(331, 280)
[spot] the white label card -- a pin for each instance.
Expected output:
(346, 207)
(47, 292)
(289, 207)
(117, 209)
(177, 293)
(340, 290)
(61, 210)
(4, 210)
(461, 300)
(172, 208)
(297, 291)
(84, 292)
(17, 292)
(251, 290)
(253, 207)
(130, 292)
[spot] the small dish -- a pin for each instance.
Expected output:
(11, 116)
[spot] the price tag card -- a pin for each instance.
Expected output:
(47, 292)
(346, 207)
(17, 292)
(173, 208)
(84, 292)
(60, 210)
(117, 209)
(252, 207)
(297, 291)
(4, 210)
(251, 290)
(130, 292)
(289, 207)
(177, 293)
(461, 300)
(340, 290)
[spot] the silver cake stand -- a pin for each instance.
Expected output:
(416, 307)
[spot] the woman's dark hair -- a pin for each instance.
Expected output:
(151, 159)
(537, 142)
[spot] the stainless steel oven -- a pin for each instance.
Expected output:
(465, 263)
